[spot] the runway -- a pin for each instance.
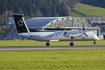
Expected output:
(49, 47)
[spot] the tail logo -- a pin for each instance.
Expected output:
(20, 22)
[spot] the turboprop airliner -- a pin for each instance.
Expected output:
(62, 35)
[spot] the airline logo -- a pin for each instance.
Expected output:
(20, 22)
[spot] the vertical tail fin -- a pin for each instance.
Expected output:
(20, 24)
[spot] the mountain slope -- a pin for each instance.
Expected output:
(87, 10)
(98, 3)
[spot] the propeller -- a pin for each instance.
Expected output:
(83, 39)
(84, 33)
(83, 27)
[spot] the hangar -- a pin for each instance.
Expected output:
(55, 23)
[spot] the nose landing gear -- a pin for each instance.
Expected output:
(94, 42)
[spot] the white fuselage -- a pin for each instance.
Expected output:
(59, 35)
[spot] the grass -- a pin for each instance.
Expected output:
(87, 10)
(80, 59)
(37, 43)
(53, 60)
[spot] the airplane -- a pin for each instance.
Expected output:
(59, 35)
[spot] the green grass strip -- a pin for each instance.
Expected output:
(87, 10)
(91, 59)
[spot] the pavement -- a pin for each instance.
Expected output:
(48, 47)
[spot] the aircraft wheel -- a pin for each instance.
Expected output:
(71, 44)
(94, 42)
(47, 44)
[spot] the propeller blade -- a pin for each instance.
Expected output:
(83, 27)
(83, 39)
(85, 34)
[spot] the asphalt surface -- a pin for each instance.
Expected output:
(49, 47)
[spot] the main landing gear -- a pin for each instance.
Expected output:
(71, 44)
(47, 44)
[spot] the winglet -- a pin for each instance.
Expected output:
(20, 24)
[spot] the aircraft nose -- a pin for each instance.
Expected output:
(96, 37)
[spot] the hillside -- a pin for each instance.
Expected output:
(98, 3)
(87, 10)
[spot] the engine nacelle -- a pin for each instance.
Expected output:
(67, 35)
(75, 34)
(70, 35)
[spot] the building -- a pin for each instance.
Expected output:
(55, 23)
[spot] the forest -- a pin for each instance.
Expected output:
(32, 8)
(35, 8)
(41, 8)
